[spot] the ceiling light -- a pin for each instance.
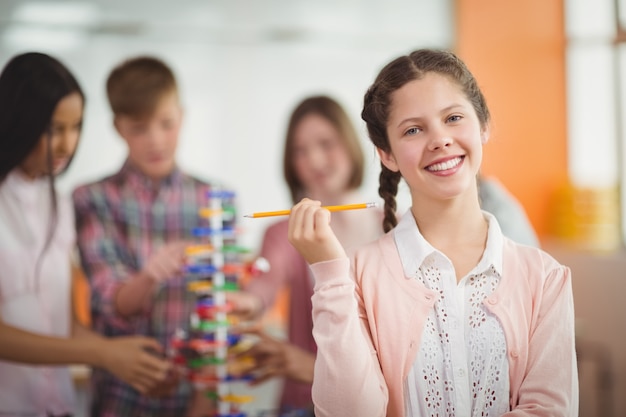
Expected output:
(53, 13)
(42, 38)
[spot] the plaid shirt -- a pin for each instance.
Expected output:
(121, 220)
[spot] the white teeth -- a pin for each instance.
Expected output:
(445, 165)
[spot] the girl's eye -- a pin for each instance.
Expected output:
(454, 118)
(53, 128)
(412, 131)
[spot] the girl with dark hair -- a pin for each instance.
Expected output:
(41, 115)
(443, 315)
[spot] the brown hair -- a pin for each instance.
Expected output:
(377, 103)
(135, 86)
(332, 111)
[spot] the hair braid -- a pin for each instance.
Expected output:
(388, 189)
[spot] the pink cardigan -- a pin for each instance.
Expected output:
(368, 317)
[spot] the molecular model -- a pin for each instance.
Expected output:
(216, 265)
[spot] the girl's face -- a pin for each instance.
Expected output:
(435, 137)
(152, 140)
(320, 158)
(60, 141)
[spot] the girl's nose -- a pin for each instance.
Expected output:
(317, 157)
(439, 139)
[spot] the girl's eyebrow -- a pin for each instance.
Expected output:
(409, 119)
(444, 110)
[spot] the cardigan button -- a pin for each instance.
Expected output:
(514, 354)
(492, 300)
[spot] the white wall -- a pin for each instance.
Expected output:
(238, 93)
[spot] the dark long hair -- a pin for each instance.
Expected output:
(31, 86)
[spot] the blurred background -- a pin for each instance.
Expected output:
(553, 72)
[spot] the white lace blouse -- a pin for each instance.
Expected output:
(461, 369)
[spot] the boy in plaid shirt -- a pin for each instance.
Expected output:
(133, 227)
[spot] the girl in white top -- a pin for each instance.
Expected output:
(41, 112)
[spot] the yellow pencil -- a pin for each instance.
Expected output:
(329, 208)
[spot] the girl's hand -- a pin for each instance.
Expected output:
(310, 232)
(277, 358)
(245, 305)
(201, 405)
(136, 360)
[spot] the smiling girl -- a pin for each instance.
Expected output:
(442, 316)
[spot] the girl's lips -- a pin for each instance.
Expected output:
(59, 163)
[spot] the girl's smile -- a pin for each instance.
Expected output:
(447, 166)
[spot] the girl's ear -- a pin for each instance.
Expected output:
(388, 160)
(484, 134)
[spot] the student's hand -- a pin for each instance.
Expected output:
(167, 262)
(201, 405)
(136, 360)
(168, 386)
(276, 358)
(245, 305)
(310, 232)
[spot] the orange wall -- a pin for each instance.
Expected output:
(516, 50)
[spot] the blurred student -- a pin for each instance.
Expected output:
(133, 228)
(443, 315)
(41, 116)
(512, 218)
(323, 160)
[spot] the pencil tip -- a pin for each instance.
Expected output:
(247, 215)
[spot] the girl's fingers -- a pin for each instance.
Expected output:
(146, 380)
(310, 232)
(295, 222)
(151, 344)
(153, 368)
(143, 385)
(322, 220)
(264, 377)
(308, 223)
